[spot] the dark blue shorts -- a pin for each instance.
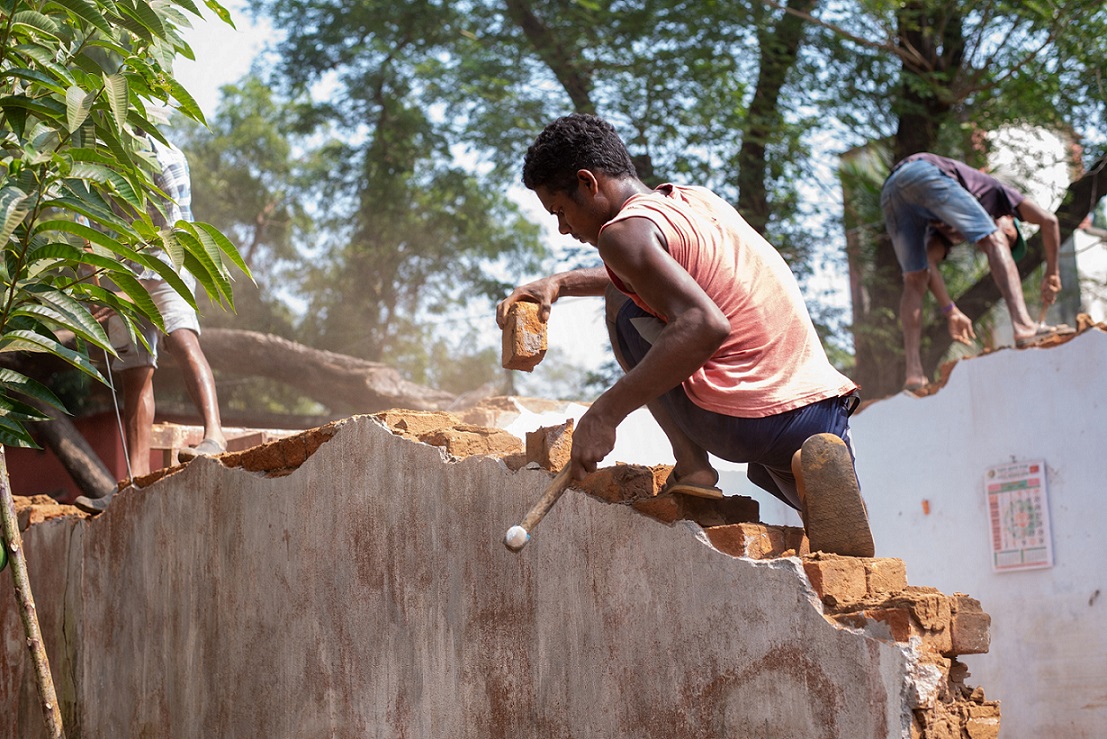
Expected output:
(766, 445)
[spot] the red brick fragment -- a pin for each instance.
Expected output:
(524, 337)
(550, 446)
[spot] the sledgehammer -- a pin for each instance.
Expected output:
(518, 536)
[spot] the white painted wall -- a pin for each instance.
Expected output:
(1048, 661)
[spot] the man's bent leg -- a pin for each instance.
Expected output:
(1006, 276)
(138, 416)
(692, 463)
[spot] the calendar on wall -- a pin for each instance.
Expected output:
(1018, 510)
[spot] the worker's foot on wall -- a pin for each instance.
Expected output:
(1043, 334)
(206, 448)
(834, 513)
(93, 505)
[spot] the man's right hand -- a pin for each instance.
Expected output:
(543, 291)
(960, 327)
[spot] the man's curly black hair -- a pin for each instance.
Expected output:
(572, 143)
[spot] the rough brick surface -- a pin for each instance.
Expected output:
(971, 626)
(32, 509)
(839, 581)
(756, 540)
(524, 337)
(466, 440)
(885, 576)
(413, 424)
(550, 446)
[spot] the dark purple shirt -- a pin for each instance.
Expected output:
(996, 198)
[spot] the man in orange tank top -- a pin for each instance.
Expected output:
(708, 322)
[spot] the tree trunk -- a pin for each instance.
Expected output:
(342, 383)
(924, 104)
(779, 49)
(60, 436)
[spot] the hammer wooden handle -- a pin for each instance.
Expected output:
(553, 492)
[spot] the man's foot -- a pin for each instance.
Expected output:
(1043, 334)
(206, 448)
(833, 512)
(918, 389)
(673, 485)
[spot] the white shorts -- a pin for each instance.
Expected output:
(176, 314)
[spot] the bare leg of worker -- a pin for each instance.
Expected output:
(910, 314)
(692, 463)
(1006, 275)
(185, 347)
(138, 416)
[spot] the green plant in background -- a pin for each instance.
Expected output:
(80, 82)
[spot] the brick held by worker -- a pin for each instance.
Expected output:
(931, 202)
(708, 323)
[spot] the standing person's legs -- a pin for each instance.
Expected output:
(135, 365)
(138, 416)
(182, 329)
(184, 344)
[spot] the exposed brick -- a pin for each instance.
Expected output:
(753, 540)
(550, 446)
(34, 509)
(931, 611)
(466, 440)
(621, 483)
(885, 576)
(970, 626)
(413, 424)
(524, 337)
(839, 581)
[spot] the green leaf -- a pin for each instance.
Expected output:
(206, 231)
(13, 209)
(144, 14)
(16, 382)
(34, 75)
(199, 262)
(189, 6)
(37, 21)
(29, 341)
(136, 293)
(78, 103)
(44, 107)
(116, 87)
(17, 437)
(20, 411)
(88, 12)
(78, 318)
(188, 104)
(104, 176)
(220, 11)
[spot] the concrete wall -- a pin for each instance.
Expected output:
(368, 594)
(1048, 658)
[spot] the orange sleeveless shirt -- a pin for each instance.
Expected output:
(772, 361)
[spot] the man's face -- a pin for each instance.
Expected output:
(579, 214)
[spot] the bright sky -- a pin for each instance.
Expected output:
(223, 54)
